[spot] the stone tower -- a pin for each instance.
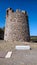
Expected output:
(17, 27)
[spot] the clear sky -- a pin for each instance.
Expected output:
(29, 5)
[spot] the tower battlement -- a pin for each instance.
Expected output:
(17, 26)
(9, 10)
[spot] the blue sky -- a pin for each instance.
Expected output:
(29, 5)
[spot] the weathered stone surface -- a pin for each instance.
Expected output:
(17, 27)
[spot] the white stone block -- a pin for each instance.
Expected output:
(8, 55)
(27, 47)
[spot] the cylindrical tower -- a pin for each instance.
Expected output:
(17, 27)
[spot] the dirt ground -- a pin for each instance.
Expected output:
(27, 57)
(18, 57)
(5, 46)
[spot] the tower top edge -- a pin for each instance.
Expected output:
(17, 10)
(8, 9)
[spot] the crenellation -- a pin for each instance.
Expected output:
(23, 11)
(9, 11)
(18, 10)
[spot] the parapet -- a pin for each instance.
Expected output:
(23, 11)
(9, 10)
(18, 10)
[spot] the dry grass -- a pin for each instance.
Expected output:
(5, 45)
(11, 45)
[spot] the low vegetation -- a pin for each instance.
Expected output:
(2, 33)
(33, 38)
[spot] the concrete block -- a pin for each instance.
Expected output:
(22, 47)
(8, 55)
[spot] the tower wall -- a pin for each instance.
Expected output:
(17, 27)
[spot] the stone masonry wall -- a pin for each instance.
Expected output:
(17, 27)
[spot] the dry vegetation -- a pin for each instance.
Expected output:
(11, 45)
